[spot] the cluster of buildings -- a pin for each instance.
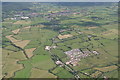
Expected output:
(76, 54)
(59, 63)
(50, 47)
(19, 18)
(24, 16)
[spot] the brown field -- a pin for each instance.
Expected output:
(27, 27)
(96, 74)
(75, 26)
(22, 22)
(37, 73)
(10, 67)
(12, 39)
(91, 27)
(16, 31)
(106, 69)
(20, 43)
(110, 32)
(64, 36)
(88, 32)
(30, 52)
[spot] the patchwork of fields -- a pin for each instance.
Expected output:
(61, 42)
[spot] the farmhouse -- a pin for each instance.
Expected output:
(59, 63)
(47, 48)
(24, 17)
(95, 52)
(50, 47)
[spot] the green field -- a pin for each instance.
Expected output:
(54, 28)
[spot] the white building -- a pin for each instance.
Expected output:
(95, 52)
(59, 63)
(47, 48)
(24, 17)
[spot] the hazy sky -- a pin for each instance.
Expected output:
(60, 0)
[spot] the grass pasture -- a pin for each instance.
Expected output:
(106, 69)
(96, 74)
(22, 22)
(35, 73)
(110, 34)
(10, 64)
(62, 73)
(25, 72)
(112, 74)
(43, 62)
(38, 61)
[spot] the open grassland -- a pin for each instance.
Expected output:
(106, 69)
(22, 22)
(35, 73)
(112, 74)
(83, 75)
(11, 48)
(111, 46)
(10, 64)
(10, 67)
(43, 34)
(41, 62)
(96, 74)
(62, 73)
(25, 72)
(110, 34)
